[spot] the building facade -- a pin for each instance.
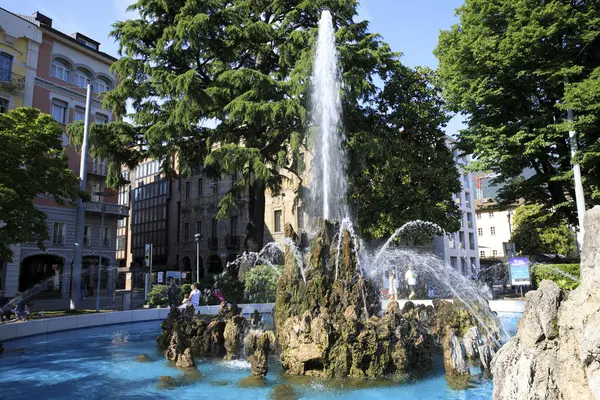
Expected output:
(58, 68)
(494, 229)
(460, 249)
(222, 240)
(153, 200)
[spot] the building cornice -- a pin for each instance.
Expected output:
(64, 91)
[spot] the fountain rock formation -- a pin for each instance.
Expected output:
(257, 346)
(328, 327)
(556, 351)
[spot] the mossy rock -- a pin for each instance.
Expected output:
(284, 391)
(143, 358)
(166, 382)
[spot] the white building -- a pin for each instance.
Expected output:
(460, 249)
(494, 228)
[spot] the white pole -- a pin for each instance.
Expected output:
(76, 275)
(579, 196)
(100, 260)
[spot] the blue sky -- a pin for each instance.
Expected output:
(410, 27)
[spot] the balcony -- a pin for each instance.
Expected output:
(109, 209)
(232, 242)
(213, 243)
(11, 82)
(98, 167)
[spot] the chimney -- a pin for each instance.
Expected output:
(43, 20)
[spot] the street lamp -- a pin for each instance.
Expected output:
(198, 237)
(103, 210)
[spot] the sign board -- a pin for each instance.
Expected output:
(147, 254)
(183, 275)
(519, 271)
(161, 277)
(174, 275)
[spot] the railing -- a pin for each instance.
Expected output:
(107, 208)
(98, 167)
(11, 80)
(232, 241)
(213, 243)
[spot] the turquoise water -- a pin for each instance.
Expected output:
(99, 363)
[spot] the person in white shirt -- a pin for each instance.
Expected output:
(194, 298)
(393, 282)
(411, 279)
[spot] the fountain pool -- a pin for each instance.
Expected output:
(99, 363)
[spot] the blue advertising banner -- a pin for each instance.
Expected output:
(519, 271)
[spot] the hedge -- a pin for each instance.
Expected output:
(552, 272)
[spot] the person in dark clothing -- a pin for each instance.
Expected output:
(4, 313)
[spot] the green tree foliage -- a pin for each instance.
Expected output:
(566, 276)
(533, 232)
(260, 283)
(505, 66)
(402, 169)
(32, 162)
(158, 296)
(244, 65)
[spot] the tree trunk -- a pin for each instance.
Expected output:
(256, 217)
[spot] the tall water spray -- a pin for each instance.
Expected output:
(329, 184)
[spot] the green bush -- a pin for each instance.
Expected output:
(230, 287)
(260, 283)
(158, 296)
(552, 272)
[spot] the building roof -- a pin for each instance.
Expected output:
(45, 23)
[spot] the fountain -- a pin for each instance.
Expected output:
(328, 319)
(329, 163)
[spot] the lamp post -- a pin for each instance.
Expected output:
(103, 210)
(75, 276)
(198, 237)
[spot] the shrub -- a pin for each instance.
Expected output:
(158, 296)
(230, 287)
(557, 273)
(261, 282)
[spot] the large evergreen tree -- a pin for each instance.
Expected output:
(32, 162)
(243, 65)
(505, 66)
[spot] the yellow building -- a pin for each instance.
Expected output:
(19, 48)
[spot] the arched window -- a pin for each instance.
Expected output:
(82, 79)
(60, 70)
(102, 85)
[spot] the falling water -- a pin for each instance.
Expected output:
(329, 185)
(271, 254)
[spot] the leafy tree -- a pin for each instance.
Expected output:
(32, 162)
(402, 169)
(505, 66)
(244, 65)
(260, 283)
(533, 232)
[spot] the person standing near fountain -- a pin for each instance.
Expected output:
(393, 283)
(411, 279)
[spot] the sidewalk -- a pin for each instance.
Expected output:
(89, 303)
